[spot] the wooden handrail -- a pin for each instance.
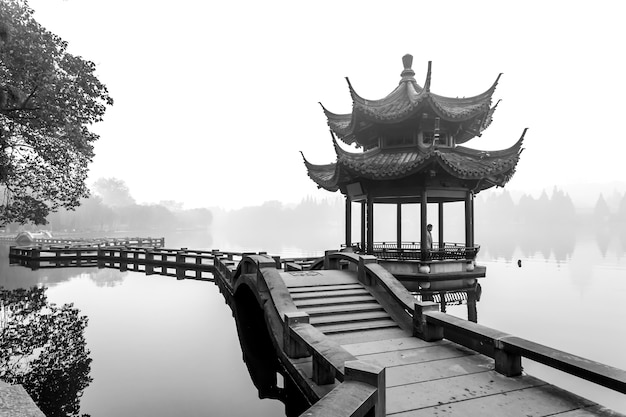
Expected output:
(507, 350)
(349, 399)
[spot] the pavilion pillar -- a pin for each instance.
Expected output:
(348, 222)
(370, 225)
(469, 219)
(441, 242)
(423, 224)
(399, 225)
(363, 226)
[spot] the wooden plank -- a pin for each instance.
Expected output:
(417, 355)
(353, 317)
(589, 370)
(334, 301)
(325, 294)
(539, 401)
(342, 308)
(454, 389)
(294, 290)
(355, 327)
(445, 368)
(388, 345)
(368, 335)
(593, 411)
(351, 398)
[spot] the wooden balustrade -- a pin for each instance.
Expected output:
(414, 251)
(508, 350)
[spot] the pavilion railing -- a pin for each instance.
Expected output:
(414, 251)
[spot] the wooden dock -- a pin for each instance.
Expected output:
(355, 342)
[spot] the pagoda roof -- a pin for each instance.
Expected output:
(496, 167)
(409, 100)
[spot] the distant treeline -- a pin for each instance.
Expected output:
(111, 207)
(93, 215)
(556, 209)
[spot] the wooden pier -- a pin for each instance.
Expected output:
(355, 342)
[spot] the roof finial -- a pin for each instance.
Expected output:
(427, 82)
(408, 73)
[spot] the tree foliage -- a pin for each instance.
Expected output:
(43, 348)
(49, 98)
(114, 192)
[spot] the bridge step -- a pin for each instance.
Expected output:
(328, 301)
(355, 317)
(342, 308)
(326, 294)
(309, 288)
(356, 327)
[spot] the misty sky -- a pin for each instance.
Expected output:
(213, 100)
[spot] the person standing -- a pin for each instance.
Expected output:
(429, 237)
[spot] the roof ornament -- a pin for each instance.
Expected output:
(428, 75)
(408, 73)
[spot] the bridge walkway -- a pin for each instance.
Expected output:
(422, 378)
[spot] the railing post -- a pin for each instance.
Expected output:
(123, 263)
(421, 328)
(35, 259)
(278, 262)
(370, 374)
(149, 262)
(508, 364)
(180, 270)
(198, 265)
(323, 372)
(100, 257)
(361, 272)
(328, 262)
(291, 345)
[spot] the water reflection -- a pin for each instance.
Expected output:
(260, 357)
(555, 242)
(15, 276)
(43, 348)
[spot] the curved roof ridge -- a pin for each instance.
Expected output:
(472, 99)
(515, 148)
(340, 152)
(428, 77)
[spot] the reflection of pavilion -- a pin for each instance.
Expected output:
(410, 154)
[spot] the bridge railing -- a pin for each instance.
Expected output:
(507, 350)
(414, 251)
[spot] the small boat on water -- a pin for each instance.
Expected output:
(27, 238)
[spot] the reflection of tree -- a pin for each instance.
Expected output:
(603, 238)
(43, 348)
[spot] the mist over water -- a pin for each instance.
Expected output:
(160, 345)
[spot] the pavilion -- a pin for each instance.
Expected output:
(409, 151)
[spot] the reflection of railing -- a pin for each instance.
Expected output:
(413, 251)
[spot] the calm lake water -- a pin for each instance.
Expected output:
(163, 347)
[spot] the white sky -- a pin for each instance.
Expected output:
(213, 100)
